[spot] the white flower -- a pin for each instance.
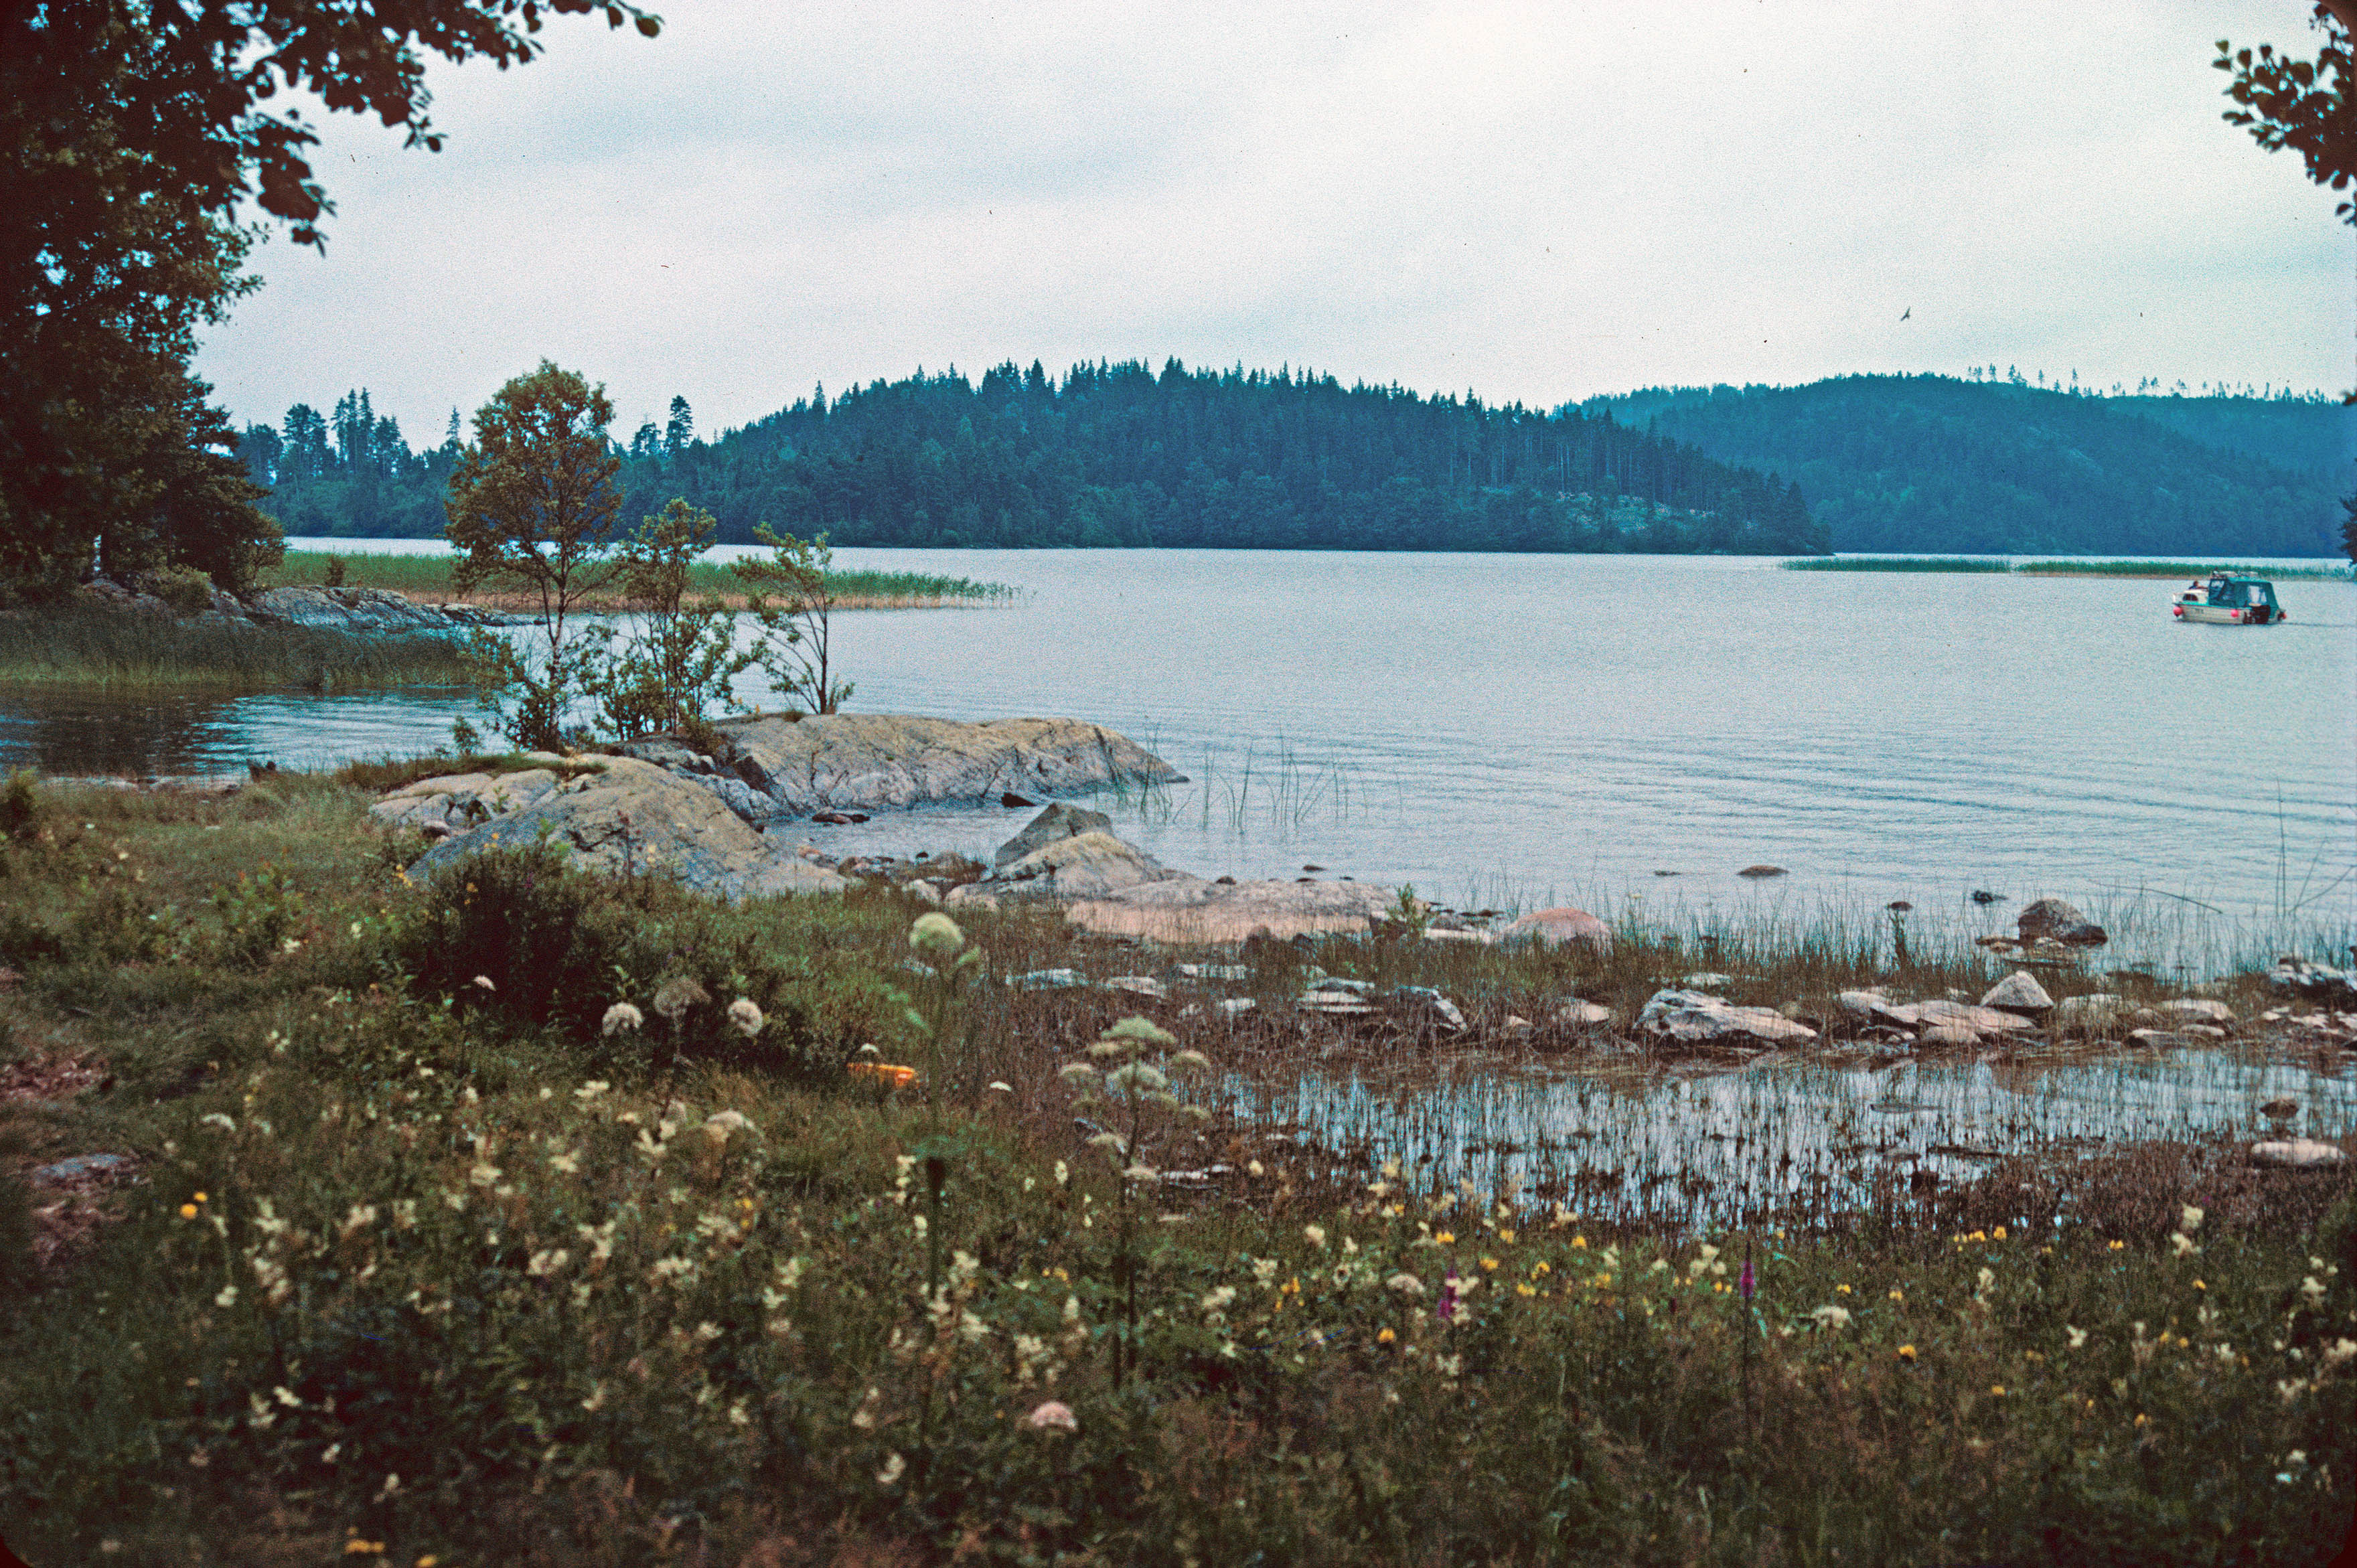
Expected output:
(893, 1464)
(1064, 1173)
(1220, 1299)
(2191, 1219)
(1831, 1316)
(1317, 1234)
(215, 1119)
(595, 1086)
(484, 982)
(745, 1017)
(2311, 1292)
(621, 1015)
(547, 1262)
(707, 1331)
(2339, 1350)
(1055, 1415)
(2078, 1336)
(228, 1297)
(597, 1400)
(720, 1123)
(483, 1175)
(564, 1161)
(2182, 1244)
(1264, 1268)
(1406, 1285)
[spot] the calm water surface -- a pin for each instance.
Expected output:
(1515, 729)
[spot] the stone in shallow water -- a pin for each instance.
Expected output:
(2056, 920)
(1554, 928)
(1963, 1016)
(1058, 821)
(2018, 993)
(2298, 1155)
(2097, 1013)
(2198, 1011)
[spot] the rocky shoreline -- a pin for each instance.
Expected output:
(360, 611)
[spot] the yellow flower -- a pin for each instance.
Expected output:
(1507, 1237)
(1525, 1290)
(1978, 1236)
(1841, 1290)
(1898, 1296)
(1492, 1264)
(2119, 1246)
(2139, 1419)
(1579, 1242)
(2199, 1286)
(1446, 1237)
(1998, 1233)
(1385, 1337)
(1906, 1352)
(199, 1197)
(187, 1211)
(1996, 1387)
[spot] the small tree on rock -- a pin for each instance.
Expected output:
(795, 650)
(683, 658)
(532, 507)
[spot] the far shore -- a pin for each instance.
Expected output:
(2324, 571)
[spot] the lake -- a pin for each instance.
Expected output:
(1526, 730)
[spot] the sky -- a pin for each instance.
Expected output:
(1535, 202)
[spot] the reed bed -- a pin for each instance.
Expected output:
(436, 1249)
(2064, 568)
(126, 650)
(429, 578)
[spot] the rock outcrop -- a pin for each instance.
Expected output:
(457, 802)
(1058, 821)
(370, 610)
(872, 761)
(1188, 909)
(631, 817)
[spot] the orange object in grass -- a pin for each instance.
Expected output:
(885, 1073)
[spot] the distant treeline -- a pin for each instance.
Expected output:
(1997, 466)
(1115, 455)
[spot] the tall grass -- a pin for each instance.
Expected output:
(429, 576)
(105, 647)
(424, 1265)
(2065, 568)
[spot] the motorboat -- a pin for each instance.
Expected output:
(2229, 601)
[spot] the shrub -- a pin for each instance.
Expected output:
(186, 589)
(560, 948)
(333, 573)
(20, 805)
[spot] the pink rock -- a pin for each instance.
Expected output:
(1556, 927)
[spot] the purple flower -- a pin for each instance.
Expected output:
(1447, 1307)
(1745, 1285)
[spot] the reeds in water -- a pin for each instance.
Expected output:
(105, 647)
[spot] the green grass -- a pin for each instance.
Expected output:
(449, 1270)
(119, 650)
(2064, 568)
(429, 576)
(1894, 564)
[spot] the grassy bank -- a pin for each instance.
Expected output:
(2323, 572)
(425, 1250)
(125, 650)
(428, 577)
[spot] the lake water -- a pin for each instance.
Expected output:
(1519, 730)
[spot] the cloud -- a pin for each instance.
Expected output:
(1539, 202)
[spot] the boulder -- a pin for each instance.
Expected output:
(632, 817)
(1757, 872)
(2194, 1010)
(2020, 992)
(2316, 983)
(2058, 921)
(1578, 1014)
(1089, 866)
(1949, 1034)
(2298, 1155)
(1184, 909)
(1426, 1001)
(1694, 1017)
(2098, 1013)
(1874, 1007)
(869, 761)
(1963, 1014)
(459, 801)
(1554, 928)
(1058, 821)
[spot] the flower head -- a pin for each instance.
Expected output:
(2190, 1219)
(1054, 1415)
(936, 935)
(619, 1017)
(1831, 1316)
(1145, 1031)
(745, 1017)
(678, 994)
(483, 981)
(1906, 1352)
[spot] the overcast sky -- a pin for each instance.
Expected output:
(1538, 202)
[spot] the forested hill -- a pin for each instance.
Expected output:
(1940, 465)
(1117, 454)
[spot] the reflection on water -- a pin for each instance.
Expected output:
(84, 731)
(1720, 1144)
